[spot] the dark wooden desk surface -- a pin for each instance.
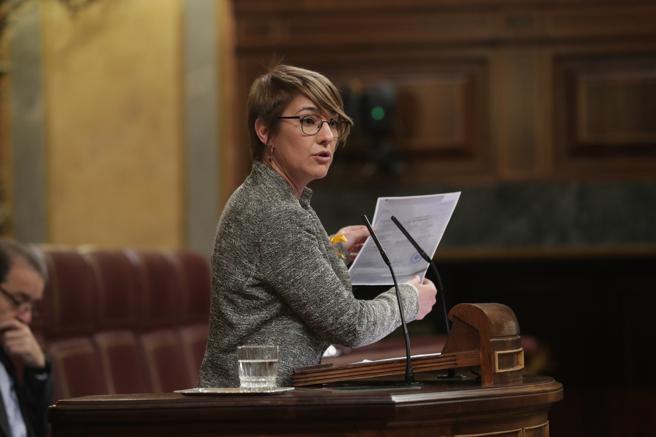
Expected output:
(434, 409)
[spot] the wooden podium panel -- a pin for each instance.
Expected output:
(484, 336)
(436, 409)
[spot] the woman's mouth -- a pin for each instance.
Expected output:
(322, 156)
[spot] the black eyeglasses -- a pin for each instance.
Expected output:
(311, 124)
(17, 303)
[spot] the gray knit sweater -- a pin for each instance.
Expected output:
(277, 280)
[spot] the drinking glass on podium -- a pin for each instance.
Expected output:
(258, 366)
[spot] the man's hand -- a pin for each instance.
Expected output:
(18, 341)
(355, 235)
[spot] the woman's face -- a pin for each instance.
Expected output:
(299, 157)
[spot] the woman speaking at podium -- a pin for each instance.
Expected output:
(276, 278)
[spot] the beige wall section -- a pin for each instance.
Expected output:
(114, 123)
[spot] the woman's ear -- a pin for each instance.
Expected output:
(262, 131)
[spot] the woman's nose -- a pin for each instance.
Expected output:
(325, 133)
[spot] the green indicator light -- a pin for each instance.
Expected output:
(377, 113)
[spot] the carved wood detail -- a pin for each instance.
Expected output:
(537, 431)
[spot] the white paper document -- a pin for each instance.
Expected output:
(424, 217)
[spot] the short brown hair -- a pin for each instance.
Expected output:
(273, 91)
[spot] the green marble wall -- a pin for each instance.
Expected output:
(534, 214)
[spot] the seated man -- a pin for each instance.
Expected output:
(24, 401)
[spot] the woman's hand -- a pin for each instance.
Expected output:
(426, 296)
(354, 238)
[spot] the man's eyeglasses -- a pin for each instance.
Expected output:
(311, 124)
(18, 303)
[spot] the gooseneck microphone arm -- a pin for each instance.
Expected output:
(430, 261)
(409, 374)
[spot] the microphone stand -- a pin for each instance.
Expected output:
(430, 261)
(451, 376)
(409, 374)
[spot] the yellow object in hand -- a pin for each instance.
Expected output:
(338, 238)
(337, 242)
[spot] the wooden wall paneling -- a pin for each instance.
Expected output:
(264, 25)
(442, 124)
(601, 93)
(567, 20)
(606, 120)
(441, 128)
(434, 114)
(490, 81)
(515, 107)
(545, 108)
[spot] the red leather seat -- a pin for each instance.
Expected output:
(120, 287)
(196, 274)
(166, 360)
(123, 362)
(194, 342)
(164, 290)
(77, 368)
(70, 304)
(124, 321)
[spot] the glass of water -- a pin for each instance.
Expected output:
(258, 366)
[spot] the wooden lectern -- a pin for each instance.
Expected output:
(484, 336)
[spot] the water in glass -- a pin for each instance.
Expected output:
(258, 366)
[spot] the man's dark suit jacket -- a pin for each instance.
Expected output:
(34, 394)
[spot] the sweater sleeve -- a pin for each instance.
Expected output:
(292, 261)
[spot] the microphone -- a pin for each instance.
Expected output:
(409, 374)
(430, 261)
(451, 375)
